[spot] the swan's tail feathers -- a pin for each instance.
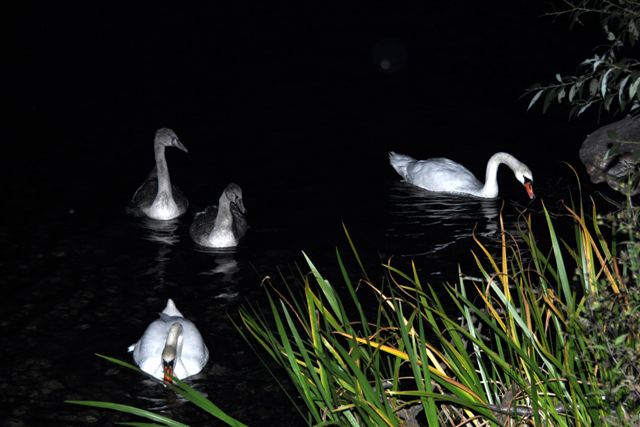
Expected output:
(400, 162)
(171, 309)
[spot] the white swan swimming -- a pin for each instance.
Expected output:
(446, 176)
(221, 225)
(156, 197)
(171, 345)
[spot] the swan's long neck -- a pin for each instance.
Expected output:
(490, 188)
(172, 350)
(222, 231)
(164, 182)
(224, 219)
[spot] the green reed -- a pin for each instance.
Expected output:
(179, 387)
(508, 347)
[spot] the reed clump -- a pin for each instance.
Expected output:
(544, 334)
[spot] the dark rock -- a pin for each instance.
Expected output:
(621, 162)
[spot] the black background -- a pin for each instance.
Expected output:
(277, 90)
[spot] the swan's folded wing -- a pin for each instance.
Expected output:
(240, 225)
(152, 366)
(195, 354)
(192, 361)
(400, 162)
(144, 195)
(179, 197)
(443, 175)
(203, 223)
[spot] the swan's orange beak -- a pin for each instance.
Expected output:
(529, 187)
(167, 369)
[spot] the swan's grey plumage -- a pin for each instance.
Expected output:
(446, 176)
(221, 225)
(156, 197)
(170, 342)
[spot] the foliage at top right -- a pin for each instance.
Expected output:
(610, 79)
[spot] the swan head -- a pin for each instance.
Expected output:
(524, 175)
(166, 137)
(171, 351)
(233, 193)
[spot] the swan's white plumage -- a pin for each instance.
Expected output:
(443, 175)
(221, 225)
(192, 353)
(156, 197)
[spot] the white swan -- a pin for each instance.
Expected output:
(171, 345)
(222, 225)
(446, 176)
(156, 197)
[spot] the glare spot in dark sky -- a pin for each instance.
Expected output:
(389, 55)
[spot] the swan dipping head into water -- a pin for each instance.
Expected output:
(171, 346)
(156, 197)
(443, 175)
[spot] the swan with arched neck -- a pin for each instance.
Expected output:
(443, 175)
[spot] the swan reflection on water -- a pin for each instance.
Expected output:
(441, 227)
(165, 234)
(162, 399)
(226, 270)
(160, 231)
(224, 259)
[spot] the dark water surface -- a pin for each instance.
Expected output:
(301, 114)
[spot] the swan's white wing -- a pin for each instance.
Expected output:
(147, 352)
(194, 355)
(443, 175)
(400, 162)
